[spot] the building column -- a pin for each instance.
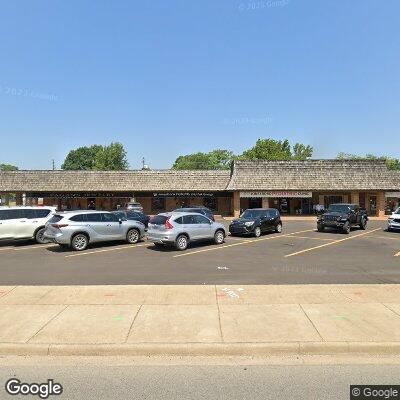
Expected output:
(355, 198)
(380, 204)
(265, 202)
(18, 199)
(236, 204)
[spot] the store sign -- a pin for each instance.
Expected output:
(78, 195)
(395, 195)
(279, 194)
(183, 194)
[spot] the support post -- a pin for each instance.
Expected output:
(236, 204)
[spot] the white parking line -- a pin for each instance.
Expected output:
(331, 243)
(39, 246)
(132, 246)
(240, 243)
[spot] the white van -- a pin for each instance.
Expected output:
(24, 222)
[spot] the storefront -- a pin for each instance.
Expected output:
(292, 187)
(287, 202)
(392, 201)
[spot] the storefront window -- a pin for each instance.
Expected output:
(211, 203)
(391, 205)
(332, 200)
(158, 204)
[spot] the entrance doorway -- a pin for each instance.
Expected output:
(372, 205)
(255, 202)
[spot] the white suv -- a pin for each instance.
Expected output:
(24, 222)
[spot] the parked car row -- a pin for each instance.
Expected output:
(179, 228)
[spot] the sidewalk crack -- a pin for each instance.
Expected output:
(134, 319)
(312, 323)
(47, 323)
(219, 314)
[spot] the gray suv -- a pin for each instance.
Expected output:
(76, 229)
(179, 229)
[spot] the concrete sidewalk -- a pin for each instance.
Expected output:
(200, 320)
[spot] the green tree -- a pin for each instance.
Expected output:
(270, 149)
(8, 167)
(216, 159)
(392, 163)
(111, 158)
(302, 152)
(82, 158)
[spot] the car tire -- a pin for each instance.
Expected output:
(257, 231)
(320, 228)
(132, 236)
(181, 242)
(363, 224)
(39, 238)
(389, 229)
(346, 228)
(219, 237)
(278, 228)
(79, 242)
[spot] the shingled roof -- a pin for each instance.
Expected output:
(313, 175)
(118, 181)
(310, 175)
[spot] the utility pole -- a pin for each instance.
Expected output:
(54, 164)
(143, 162)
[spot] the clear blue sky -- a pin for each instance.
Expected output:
(167, 78)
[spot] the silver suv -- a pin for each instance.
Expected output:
(179, 229)
(76, 229)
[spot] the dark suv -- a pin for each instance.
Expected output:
(200, 210)
(255, 221)
(129, 215)
(342, 217)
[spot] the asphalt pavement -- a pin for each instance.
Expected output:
(299, 255)
(101, 379)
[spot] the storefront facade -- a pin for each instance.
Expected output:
(292, 187)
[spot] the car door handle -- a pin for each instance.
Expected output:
(22, 221)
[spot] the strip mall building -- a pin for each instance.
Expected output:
(293, 187)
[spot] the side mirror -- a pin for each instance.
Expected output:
(120, 220)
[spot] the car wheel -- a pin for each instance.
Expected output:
(257, 231)
(132, 236)
(389, 229)
(363, 224)
(219, 237)
(278, 228)
(320, 228)
(79, 242)
(182, 242)
(39, 236)
(346, 228)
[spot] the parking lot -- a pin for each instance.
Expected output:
(299, 255)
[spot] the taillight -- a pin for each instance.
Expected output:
(58, 226)
(168, 225)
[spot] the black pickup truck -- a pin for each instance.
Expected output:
(343, 217)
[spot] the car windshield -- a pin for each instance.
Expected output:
(342, 208)
(251, 214)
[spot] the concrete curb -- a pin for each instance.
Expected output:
(203, 349)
